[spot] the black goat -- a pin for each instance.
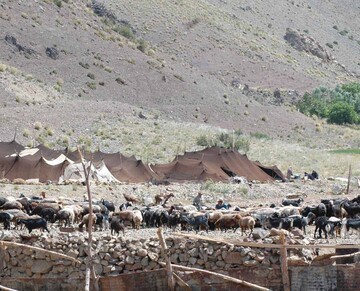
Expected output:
(5, 218)
(320, 225)
(352, 223)
(125, 205)
(352, 209)
(198, 221)
(116, 225)
(48, 214)
(108, 204)
(293, 202)
(31, 224)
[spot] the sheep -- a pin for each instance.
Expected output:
(247, 222)
(116, 225)
(133, 216)
(38, 207)
(31, 224)
(12, 205)
(86, 220)
(213, 217)
(66, 214)
(228, 221)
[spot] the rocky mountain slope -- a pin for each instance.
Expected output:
(139, 75)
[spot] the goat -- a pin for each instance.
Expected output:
(125, 205)
(320, 224)
(352, 209)
(353, 223)
(108, 204)
(116, 225)
(293, 202)
(31, 224)
(5, 218)
(333, 226)
(196, 221)
(163, 198)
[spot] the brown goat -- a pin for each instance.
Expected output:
(163, 198)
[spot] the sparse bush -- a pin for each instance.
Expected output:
(330, 45)
(91, 85)
(85, 66)
(91, 76)
(58, 3)
(259, 135)
(37, 125)
(142, 46)
(26, 132)
(120, 81)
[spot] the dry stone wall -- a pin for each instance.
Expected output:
(117, 255)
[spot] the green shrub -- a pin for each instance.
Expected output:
(342, 113)
(91, 76)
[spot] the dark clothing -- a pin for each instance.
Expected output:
(222, 206)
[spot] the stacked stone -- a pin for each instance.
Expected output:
(116, 255)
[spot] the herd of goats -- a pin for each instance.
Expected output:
(332, 217)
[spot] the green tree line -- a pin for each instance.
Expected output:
(339, 106)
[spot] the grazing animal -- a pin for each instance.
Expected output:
(352, 209)
(108, 204)
(293, 202)
(116, 225)
(163, 198)
(86, 219)
(247, 222)
(353, 223)
(67, 215)
(12, 205)
(333, 226)
(198, 221)
(227, 221)
(5, 218)
(125, 205)
(48, 214)
(131, 198)
(31, 224)
(320, 225)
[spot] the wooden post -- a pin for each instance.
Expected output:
(6, 288)
(164, 250)
(284, 263)
(89, 265)
(349, 178)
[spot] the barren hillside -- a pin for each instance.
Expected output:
(149, 77)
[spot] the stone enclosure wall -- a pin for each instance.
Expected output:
(27, 269)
